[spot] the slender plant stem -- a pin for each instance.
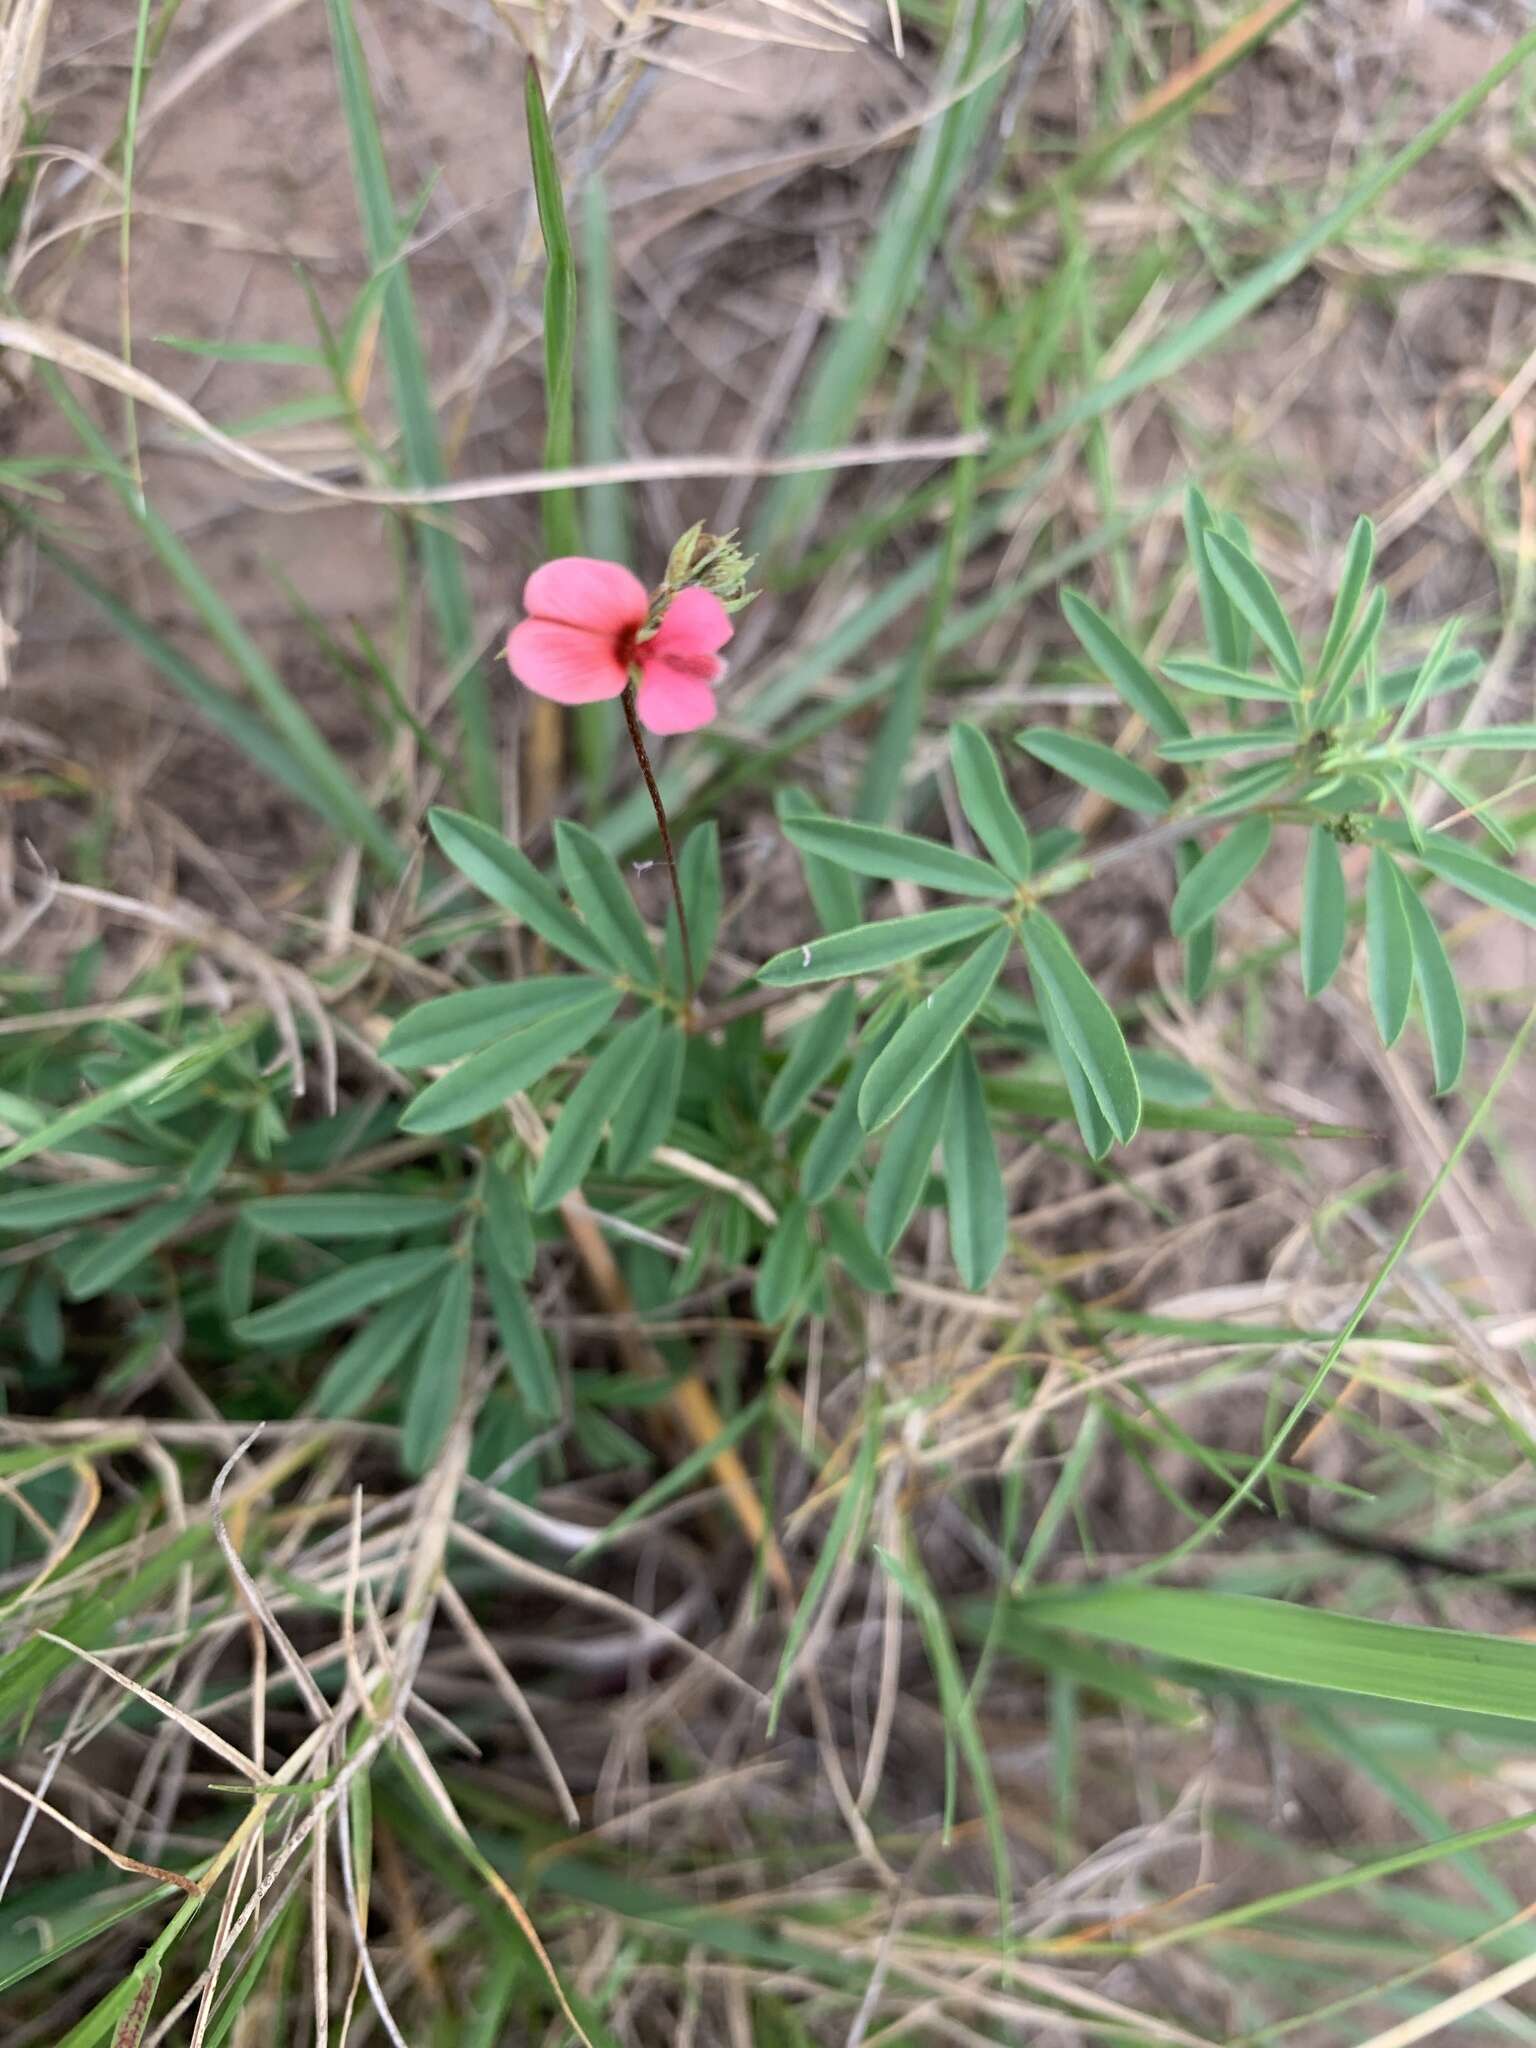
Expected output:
(638, 743)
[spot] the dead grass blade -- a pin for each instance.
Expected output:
(114, 1856)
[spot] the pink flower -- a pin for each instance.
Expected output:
(581, 639)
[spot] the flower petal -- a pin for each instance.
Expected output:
(669, 701)
(695, 622)
(564, 662)
(578, 590)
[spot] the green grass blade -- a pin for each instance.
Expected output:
(420, 450)
(300, 756)
(959, 1711)
(1272, 1640)
(894, 270)
(562, 526)
(1174, 351)
(606, 505)
(173, 1070)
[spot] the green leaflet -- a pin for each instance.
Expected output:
(1388, 946)
(1356, 573)
(1097, 767)
(977, 1199)
(346, 1215)
(1219, 873)
(451, 1027)
(1124, 669)
(1324, 912)
(483, 1082)
(815, 1050)
(363, 1364)
(601, 895)
(1252, 593)
(597, 1096)
(985, 800)
(785, 1269)
(644, 1118)
(1086, 1023)
(867, 948)
(897, 856)
(1445, 1020)
(902, 1172)
(438, 1378)
(925, 1037)
(340, 1296)
(698, 876)
(502, 872)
